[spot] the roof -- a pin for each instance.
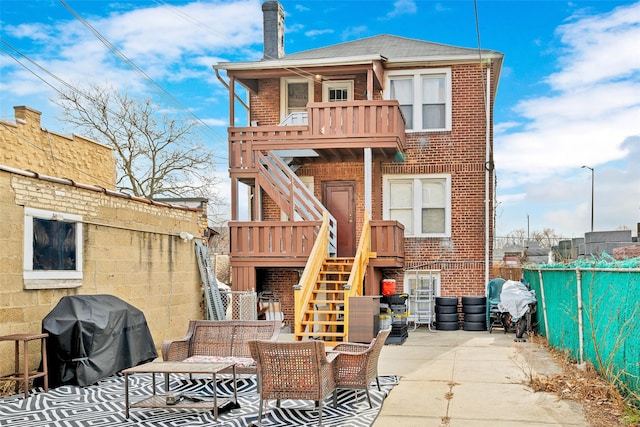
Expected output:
(386, 48)
(391, 51)
(393, 48)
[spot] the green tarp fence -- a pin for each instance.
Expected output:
(590, 309)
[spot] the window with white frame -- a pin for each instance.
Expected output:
(337, 91)
(424, 97)
(295, 94)
(422, 203)
(52, 245)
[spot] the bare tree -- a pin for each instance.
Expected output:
(547, 238)
(157, 155)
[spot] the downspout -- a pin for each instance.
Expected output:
(368, 157)
(226, 85)
(488, 169)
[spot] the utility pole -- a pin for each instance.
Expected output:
(592, 182)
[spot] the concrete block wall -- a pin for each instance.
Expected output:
(26, 145)
(607, 236)
(131, 250)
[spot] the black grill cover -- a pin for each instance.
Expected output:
(94, 336)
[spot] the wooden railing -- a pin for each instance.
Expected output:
(273, 238)
(360, 263)
(356, 124)
(296, 238)
(356, 119)
(290, 194)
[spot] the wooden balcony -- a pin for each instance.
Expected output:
(335, 131)
(288, 243)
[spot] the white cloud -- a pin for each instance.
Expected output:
(315, 33)
(601, 48)
(353, 32)
(587, 120)
(402, 7)
(171, 42)
(589, 116)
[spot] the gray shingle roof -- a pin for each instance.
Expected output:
(391, 47)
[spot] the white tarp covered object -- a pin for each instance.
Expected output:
(515, 298)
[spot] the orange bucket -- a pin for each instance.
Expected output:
(388, 287)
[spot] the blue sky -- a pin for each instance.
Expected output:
(569, 93)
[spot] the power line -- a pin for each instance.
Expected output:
(294, 70)
(163, 92)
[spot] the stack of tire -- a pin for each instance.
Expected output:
(447, 314)
(475, 313)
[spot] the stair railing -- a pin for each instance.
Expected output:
(359, 268)
(304, 289)
(292, 195)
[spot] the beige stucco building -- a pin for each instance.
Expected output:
(53, 185)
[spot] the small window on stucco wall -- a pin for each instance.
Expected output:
(52, 249)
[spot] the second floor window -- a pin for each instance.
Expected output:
(295, 94)
(337, 91)
(424, 97)
(422, 203)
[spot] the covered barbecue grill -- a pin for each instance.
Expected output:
(94, 336)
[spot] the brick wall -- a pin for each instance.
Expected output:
(460, 152)
(281, 281)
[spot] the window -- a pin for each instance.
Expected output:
(52, 247)
(422, 203)
(337, 91)
(424, 97)
(294, 96)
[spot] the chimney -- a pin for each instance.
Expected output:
(273, 26)
(25, 114)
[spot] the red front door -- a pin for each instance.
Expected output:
(339, 199)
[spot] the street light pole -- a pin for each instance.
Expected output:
(592, 182)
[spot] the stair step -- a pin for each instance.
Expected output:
(332, 282)
(328, 275)
(321, 334)
(323, 322)
(330, 312)
(329, 291)
(326, 301)
(337, 264)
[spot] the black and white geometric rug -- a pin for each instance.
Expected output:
(102, 405)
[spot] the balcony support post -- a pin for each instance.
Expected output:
(367, 181)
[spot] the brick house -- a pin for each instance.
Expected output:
(114, 243)
(385, 142)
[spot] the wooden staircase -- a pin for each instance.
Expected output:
(324, 314)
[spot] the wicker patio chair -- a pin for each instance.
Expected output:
(357, 364)
(293, 370)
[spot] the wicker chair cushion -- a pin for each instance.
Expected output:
(241, 362)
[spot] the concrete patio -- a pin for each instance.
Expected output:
(469, 379)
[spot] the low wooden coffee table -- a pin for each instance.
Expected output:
(159, 401)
